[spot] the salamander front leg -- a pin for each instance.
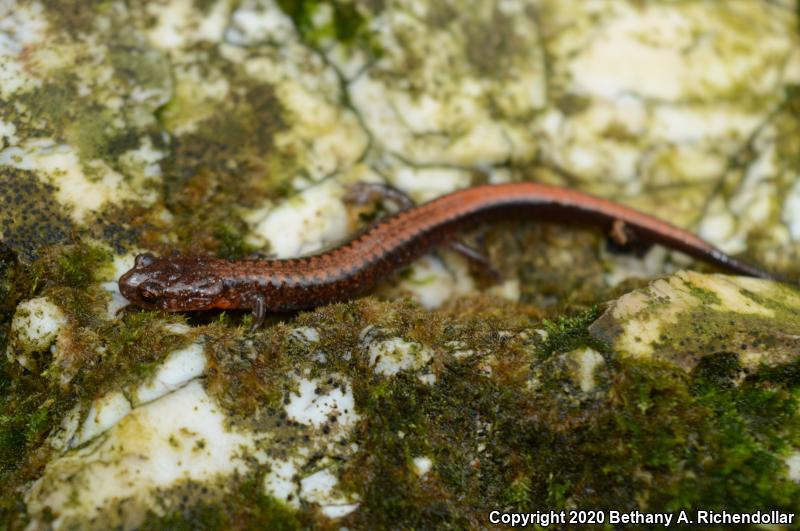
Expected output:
(259, 311)
(128, 308)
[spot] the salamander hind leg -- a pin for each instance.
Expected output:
(362, 194)
(623, 239)
(365, 193)
(476, 260)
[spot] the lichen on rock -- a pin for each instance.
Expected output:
(685, 317)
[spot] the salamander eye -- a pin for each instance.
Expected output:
(150, 291)
(144, 260)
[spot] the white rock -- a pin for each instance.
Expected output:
(80, 193)
(424, 184)
(422, 465)
(61, 436)
(320, 488)
(432, 281)
(308, 407)
(391, 356)
(791, 210)
(104, 413)
(306, 334)
(427, 379)
(183, 436)
(117, 301)
(587, 360)
(312, 219)
(793, 463)
(21, 27)
(179, 23)
(177, 328)
(338, 511)
(254, 22)
(279, 481)
(34, 327)
(180, 367)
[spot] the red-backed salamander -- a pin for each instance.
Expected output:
(200, 283)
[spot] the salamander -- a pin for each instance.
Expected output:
(192, 283)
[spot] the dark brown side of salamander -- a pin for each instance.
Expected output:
(298, 283)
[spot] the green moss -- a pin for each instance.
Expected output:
(519, 492)
(81, 122)
(492, 45)
(651, 437)
(706, 296)
(133, 350)
(640, 443)
(383, 475)
(702, 331)
(227, 164)
(28, 412)
(533, 252)
(204, 6)
(566, 333)
(347, 23)
(230, 236)
(572, 104)
(239, 504)
(12, 288)
(96, 356)
(648, 438)
(76, 266)
(31, 218)
(780, 299)
(787, 374)
(39, 422)
(73, 16)
(753, 425)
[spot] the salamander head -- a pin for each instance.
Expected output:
(174, 285)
